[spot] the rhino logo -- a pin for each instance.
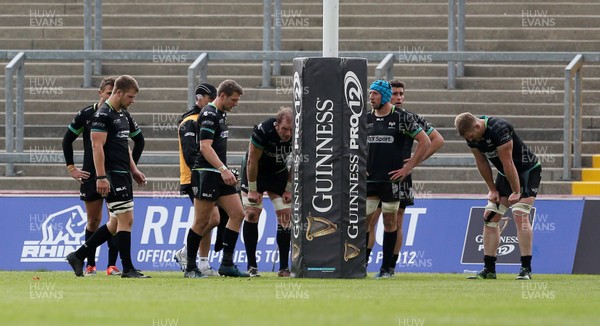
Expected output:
(64, 227)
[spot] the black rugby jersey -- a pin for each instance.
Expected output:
(212, 124)
(419, 120)
(82, 123)
(117, 126)
(275, 152)
(499, 132)
(386, 140)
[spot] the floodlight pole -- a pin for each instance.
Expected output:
(331, 15)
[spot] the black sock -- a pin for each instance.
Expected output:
(229, 239)
(394, 261)
(193, 243)
(224, 218)
(124, 243)
(368, 250)
(490, 263)
(284, 237)
(99, 237)
(250, 241)
(389, 242)
(526, 262)
(91, 254)
(113, 251)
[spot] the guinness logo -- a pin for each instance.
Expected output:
(318, 227)
(350, 251)
(295, 251)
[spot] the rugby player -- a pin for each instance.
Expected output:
(387, 129)
(115, 167)
(406, 190)
(213, 181)
(188, 152)
(264, 168)
(516, 186)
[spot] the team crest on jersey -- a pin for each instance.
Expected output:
(225, 134)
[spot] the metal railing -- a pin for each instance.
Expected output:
(198, 68)
(92, 25)
(572, 118)
(572, 132)
(14, 142)
(456, 39)
(385, 68)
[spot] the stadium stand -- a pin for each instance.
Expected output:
(529, 95)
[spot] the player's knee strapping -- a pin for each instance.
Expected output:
(247, 203)
(521, 208)
(390, 207)
(279, 205)
(372, 205)
(493, 209)
(120, 207)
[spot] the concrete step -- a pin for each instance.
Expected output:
(532, 85)
(425, 108)
(229, 68)
(296, 19)
(538, 147)
(586, 188)
(166, 119)
(253, 94)
(530, 134)
(40, 147)
(420, 174)
(49, 150)
(590, 174)
(306, 32)
(161, 185)
(165, 139)
(301, 8)
(310, 44)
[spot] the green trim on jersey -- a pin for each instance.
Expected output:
(255, 144)
(485, 118)
(207, 129)
(75, 131)
(414, 134)
(117, 171)
(135, 133)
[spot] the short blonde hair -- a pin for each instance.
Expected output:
(465, 122)
(285, 112)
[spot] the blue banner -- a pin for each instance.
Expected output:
(39, 232)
